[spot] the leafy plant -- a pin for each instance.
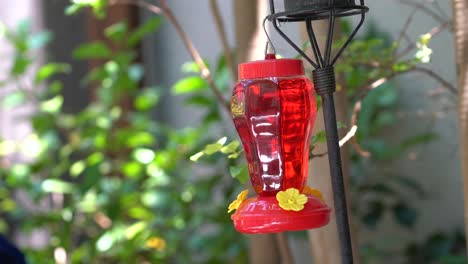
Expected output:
(439, 247)
(112, 184)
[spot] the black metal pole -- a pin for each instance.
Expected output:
(325, 86)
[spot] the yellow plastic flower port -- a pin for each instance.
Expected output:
(291, 199)
(313, 192)
(240, 198)
(156, 243)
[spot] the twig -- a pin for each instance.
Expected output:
(450, 87)
(222, 34)
(166, 11)
(354, 120)
(423, 8)
(351, 133)
(406, 25)
(205, 72)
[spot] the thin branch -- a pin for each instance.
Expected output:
(205, 72)
(222, 34)
(423, 8)
(166, 11)
(354, 119)
(450, 87)
(439, 8)
(349, 135)
(406, 25)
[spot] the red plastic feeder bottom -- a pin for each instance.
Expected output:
(263, 215)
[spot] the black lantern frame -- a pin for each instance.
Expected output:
(325, 85)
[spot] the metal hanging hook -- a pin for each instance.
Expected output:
(269, 42)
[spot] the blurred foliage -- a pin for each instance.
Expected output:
(376, 190)
(109, 183)
(440, 248)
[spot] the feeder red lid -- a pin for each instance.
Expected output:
(270, 67)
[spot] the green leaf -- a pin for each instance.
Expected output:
(419, 140)
(52, 105)
(405, 215)
(401, 66)
(199, 100)
(387, 97)
(73, 9)
(231, 147)
(139, 139)
(20, 65)
(411, 184)
(143, 155)
(135, 229)
(109, 238)
(98, 6)
(18, 175)
(210, 149)
(320, 137)
(196, 156)
(39, 40)
(51, 69)
(190, 67)
(453, 259)
(341, 125)
(241, 173)
(56, 186)
(189, 84)
(117, 31)
(132, 169)
(234, 155)
(148, 27)
(7, 205)
(140, 213)
(373, 214)
(93, 50)
(318, 101)
(33, 146)
(14, 99)
(77, 168)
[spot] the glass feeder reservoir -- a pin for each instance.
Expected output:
(274, 110)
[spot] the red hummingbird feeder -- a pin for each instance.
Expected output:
(274, 110)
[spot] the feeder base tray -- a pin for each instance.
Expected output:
(263, 215)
